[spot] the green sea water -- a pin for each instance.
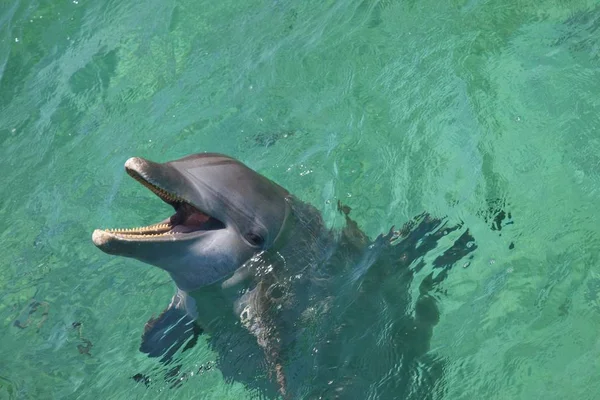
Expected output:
(464, 108)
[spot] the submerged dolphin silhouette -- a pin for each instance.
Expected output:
(258, 270)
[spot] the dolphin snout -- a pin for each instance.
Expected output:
(101, 239)
(136, 164)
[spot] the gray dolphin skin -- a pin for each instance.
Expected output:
(257, 270)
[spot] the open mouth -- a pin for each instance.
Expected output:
(187, 220)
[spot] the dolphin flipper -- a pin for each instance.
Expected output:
(167, 333)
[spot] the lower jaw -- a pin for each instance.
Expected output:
(158, 232)
(112, 241)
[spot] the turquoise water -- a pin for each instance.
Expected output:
(460, 108)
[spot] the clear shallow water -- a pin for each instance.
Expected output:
(459, 109)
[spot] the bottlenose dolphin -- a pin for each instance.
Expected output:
(257, 269)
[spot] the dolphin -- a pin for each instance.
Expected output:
(259, 271)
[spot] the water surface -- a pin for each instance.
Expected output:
(464, 108)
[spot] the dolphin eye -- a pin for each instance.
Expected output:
(255, 239)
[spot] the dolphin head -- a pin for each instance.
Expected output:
(225, 213)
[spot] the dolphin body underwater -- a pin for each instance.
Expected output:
(292, 308)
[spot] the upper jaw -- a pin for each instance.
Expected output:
(159, 178)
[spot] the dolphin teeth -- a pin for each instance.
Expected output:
(142, 231)
(159, 191)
